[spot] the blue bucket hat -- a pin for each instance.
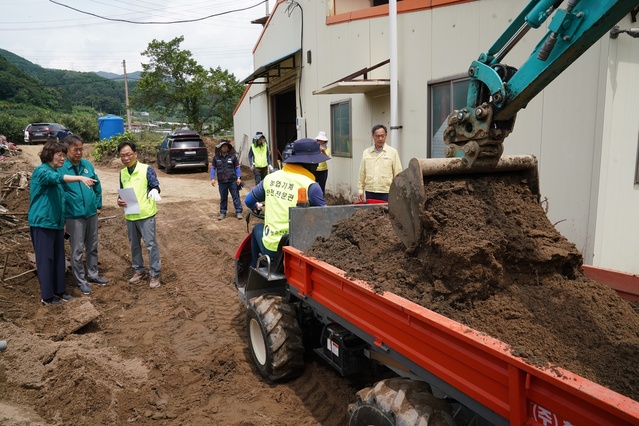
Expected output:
(224, 142)
(306, 151)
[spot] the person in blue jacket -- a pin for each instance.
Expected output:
(225, 171)
(82, 207)
(46, 221)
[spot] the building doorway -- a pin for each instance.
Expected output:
(283, 108)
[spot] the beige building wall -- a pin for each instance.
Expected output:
(565, 126)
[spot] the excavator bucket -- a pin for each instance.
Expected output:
(406, 197)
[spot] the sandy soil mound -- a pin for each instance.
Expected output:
(489, 258)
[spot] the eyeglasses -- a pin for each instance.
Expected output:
(77, 149)
(127, 155)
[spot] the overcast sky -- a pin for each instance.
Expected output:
(54, 36)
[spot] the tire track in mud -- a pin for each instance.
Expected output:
(187, 338)
(320, 390)
(325, 393)
(192, 329)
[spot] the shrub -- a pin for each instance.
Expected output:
(13, 127)
(145, 142)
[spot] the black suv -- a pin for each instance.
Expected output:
(43, 132)
(183, 149)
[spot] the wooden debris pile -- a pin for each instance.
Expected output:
(15, 241)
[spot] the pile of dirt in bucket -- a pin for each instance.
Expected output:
(489, 258)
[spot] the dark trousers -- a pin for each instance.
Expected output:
(257, 246)
(377, 196)
(320, 178)
(225, 188)
(260, 173)
(48, 245)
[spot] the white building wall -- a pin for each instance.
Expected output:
(618, 203)
(563, 126)
(281, 38)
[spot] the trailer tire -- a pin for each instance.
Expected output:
(274, 338)
(399, 402)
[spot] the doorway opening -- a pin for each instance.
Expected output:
(283, 108)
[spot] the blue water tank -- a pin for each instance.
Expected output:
(110, 125)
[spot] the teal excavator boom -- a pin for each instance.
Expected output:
(497, 91)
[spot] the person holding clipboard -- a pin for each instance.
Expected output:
(138, 195)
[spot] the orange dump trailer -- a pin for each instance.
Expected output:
(477, 369)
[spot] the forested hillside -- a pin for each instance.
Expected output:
(74, 88)
(17, 86)
(30, 93)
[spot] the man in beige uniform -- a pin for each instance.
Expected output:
(380, 164)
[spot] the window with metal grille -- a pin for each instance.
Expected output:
(445, 96)
(341, 129)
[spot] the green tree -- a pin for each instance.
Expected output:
(174, 84)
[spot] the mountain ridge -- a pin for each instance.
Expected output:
(26, 82)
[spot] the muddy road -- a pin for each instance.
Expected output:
(175, 355)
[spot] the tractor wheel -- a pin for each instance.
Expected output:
(399, 402)
(274, 338)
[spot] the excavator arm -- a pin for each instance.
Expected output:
(497, 91)
(475, 134)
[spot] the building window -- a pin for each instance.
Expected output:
(445, 96)
(341, 129)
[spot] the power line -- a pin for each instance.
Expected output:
(158, 22)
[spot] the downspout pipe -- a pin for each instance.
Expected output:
(392, 31)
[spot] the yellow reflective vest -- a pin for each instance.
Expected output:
(260, 154)
(280, 190)
(137, 180)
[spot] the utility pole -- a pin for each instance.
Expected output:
(126, 97)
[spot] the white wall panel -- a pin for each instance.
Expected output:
(593, 104)
(617, 228)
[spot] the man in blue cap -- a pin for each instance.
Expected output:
(279, 191)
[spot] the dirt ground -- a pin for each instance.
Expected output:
(489, 258)
(176, 355)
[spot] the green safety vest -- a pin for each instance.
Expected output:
(137, 181)
(281, 194)
(260, 155)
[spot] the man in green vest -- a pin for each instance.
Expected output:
(259, 157)
(280, 191)
(140, 223)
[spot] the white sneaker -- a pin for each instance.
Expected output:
(155, 282)
(137, 277)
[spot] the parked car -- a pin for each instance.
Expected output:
(43, 132)
(183, 149)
